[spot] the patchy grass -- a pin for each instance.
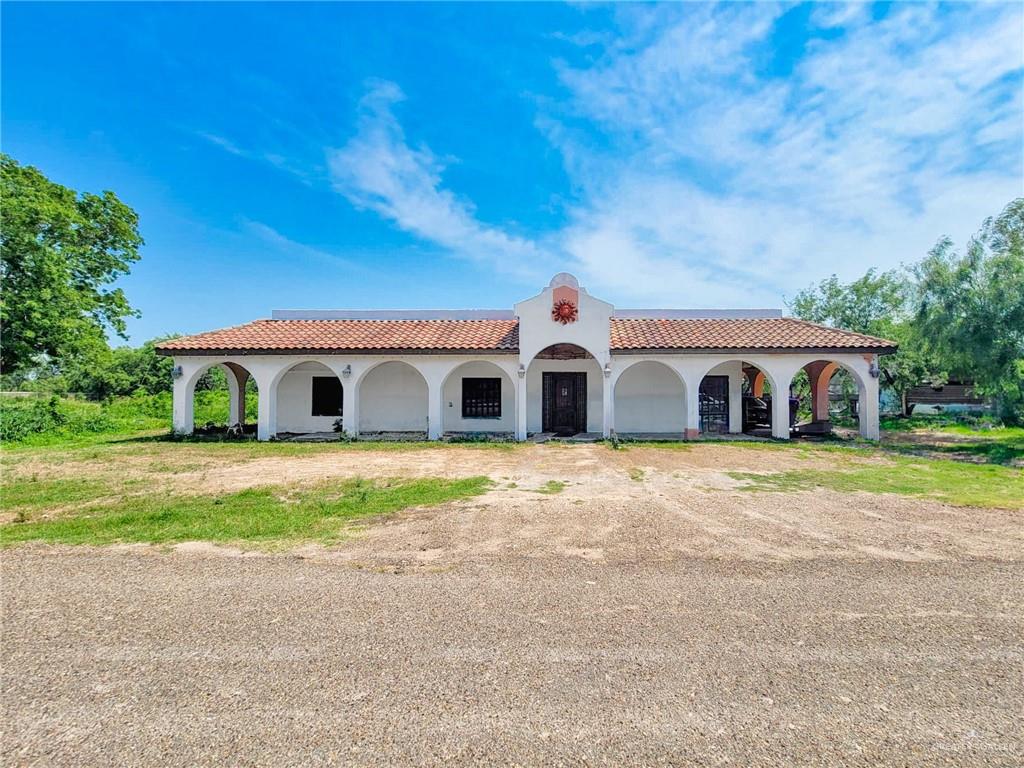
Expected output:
(626, 443)
(962, 484)
(551, 487)
(254, 516)
(994, 445)
(26, 494)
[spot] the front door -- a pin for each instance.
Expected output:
(564, 409)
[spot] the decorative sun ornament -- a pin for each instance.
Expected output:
(564, 312)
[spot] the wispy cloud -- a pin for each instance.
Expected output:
(874, 145)
(277, 160)
(708, 171)
(378, 170)
(295, 249)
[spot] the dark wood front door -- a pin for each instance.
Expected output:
(564, 408)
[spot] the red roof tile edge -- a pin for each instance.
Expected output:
(502, 337)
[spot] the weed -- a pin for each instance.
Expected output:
(551, 487)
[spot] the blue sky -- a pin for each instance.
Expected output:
(440, 156)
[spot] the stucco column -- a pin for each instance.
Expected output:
(868, 409)
(736, 399)
(434, 408)
(182, 418)
(237, 378)
(819, 374)
(757, 384)
(266, 422)
(350, 406)
(520, 404)
(608, 403)
(692, 408)
(780, 414)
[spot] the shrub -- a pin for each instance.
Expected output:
(22, 417)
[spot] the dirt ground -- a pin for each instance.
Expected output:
(651, 612)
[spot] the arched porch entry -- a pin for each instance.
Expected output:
(737, 396)
(393, 399)
(478, 397)
(308, 398)
(220, 397)
(650, 398)
(564, 392)
(825, 389)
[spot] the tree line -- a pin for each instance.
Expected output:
(955, 313)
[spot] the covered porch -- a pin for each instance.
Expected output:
(564, 390)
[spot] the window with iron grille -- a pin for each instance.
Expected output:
(481, 398)
(327, 396)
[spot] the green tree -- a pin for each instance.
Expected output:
(878, 305)
(970, 308)
(59, 253)
(104, 373)
(871, 304)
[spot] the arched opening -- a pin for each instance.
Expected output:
(393, 401)
(827, 393)
(565, 380)
(478, 397)
(756, 392)
(309, 399)
(224, 399)
(736, 397)
(650, 399)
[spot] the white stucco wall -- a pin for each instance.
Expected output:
(393, 398)
(451, 408)
(295, 400)
(649, 398)
(537, 330)
(535, 388)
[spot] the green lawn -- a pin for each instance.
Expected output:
(257, 515)
(952, 482)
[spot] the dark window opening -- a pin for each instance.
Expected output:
(327, 396)
(481, 398)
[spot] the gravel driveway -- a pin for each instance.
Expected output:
(627, 623)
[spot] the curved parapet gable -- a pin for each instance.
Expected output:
(538, 329)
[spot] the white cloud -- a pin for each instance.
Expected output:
(379, 171)
(703, 177)
(737, 186)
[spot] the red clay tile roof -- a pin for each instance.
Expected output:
(777, 333)
(502, 336)
(354, 335)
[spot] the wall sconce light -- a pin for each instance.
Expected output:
(874, 370)
(608, 369)
(176, 372)
(346, 371)
(522, 371)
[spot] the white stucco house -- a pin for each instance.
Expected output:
(562, 362)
